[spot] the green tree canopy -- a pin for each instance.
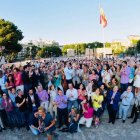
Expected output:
(10, 36)
(49, 51)
(81, 47)
(138, 46)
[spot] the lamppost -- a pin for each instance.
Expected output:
(78, 52)
(95, 49)
(89, 51)
(51, 56)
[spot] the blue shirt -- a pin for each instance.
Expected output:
(12, 97)
(127, 100)
(132, 72)
(1, 103)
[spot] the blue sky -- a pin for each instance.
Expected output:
(72, 21)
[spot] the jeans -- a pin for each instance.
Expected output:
(25, 118)
(4, 119)
(34, 131)
(72, 103)
(11, 118)
(123, 111)
(18, 118)
(124, 87)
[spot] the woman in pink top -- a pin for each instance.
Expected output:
(88, 113)
(93, 76)
(81, 95)
(18, 79)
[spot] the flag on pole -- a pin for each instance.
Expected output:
(103, 19)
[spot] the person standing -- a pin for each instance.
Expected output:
(72, 96)
(43, 97)
(52, 107)
(125, 72)
(26, 79)
(137, 78)
(136, 107)
(126, 98)
(18, 79)
(68, 73)
(113, 98)
(21, 103)
(9, 108)
(97, 99)
(62, 110)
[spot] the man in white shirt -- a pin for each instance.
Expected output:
(68, 73)
(72, 96)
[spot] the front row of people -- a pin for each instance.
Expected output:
(68, 111)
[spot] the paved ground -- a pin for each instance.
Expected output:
(106, 131)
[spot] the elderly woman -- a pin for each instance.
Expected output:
(113, 98)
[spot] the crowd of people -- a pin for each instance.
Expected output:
(68, 93)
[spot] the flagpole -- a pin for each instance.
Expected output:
(102, 31)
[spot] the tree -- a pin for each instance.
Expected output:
(119, 50)
(81, 47)
(49, 51)
(138, 46)
(130, 51)
(10, 36)
(108, 45)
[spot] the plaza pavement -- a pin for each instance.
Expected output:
(105, 131)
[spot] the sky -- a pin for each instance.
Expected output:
(72, 21)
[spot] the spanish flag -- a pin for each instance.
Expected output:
(103, 19)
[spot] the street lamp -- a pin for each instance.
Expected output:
(94, 49)
(89, 51)
(51, 56)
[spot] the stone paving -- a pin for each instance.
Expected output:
(105, 131)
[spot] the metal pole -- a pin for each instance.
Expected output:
(89, 52)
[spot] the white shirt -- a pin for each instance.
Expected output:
(53, 94)
(68, 73)
(106, 76)
(32, 99)
(72, 92)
